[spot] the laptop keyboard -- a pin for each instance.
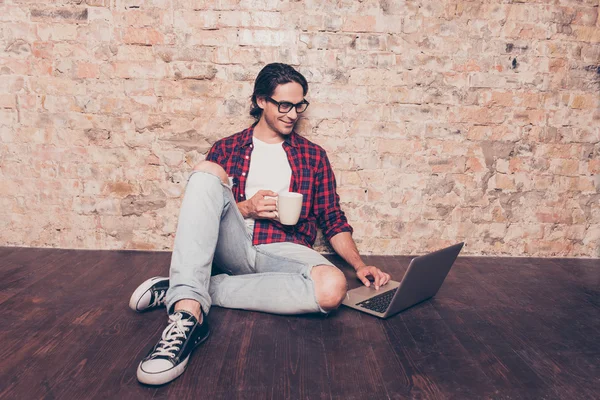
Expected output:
(380, 302)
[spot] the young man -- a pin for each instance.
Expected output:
(228, 218)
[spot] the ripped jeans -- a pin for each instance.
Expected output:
(273, 278)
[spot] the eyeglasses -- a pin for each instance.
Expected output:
(285, 107)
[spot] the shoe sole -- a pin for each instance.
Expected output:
(139, 292)
(160, 378)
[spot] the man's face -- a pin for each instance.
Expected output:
(282, 123)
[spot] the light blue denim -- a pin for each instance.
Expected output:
(273, 278)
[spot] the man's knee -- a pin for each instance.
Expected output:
(214, 169)
(330, 286)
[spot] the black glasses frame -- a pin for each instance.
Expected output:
(288, 104)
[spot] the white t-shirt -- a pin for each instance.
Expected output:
(269, 170)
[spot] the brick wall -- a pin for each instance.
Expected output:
(444, 120)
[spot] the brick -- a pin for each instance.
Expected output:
(12, 31)
(529, 117)
(575, 184)
(162, 4)
(456, 165)
(377, 42)
(502, 99)
(13, 13)
(585, 16)
(584, 101)
(56, 32)
(98, 3)
(265, 37)
(467, 66)
(138, 87)
(189, 21)
(139, 69)
(267, 19)
(87, 70)
(136, 53)
(8, 117)
(474, 164)
(70, 50)
(263, 5)
(564, 167)
(521, 30)
(143, 17)
(388, 23)
(366, 112)
(239, 55)
(593, 167)
(231, 19)
(399, 95)
(191, 70)
(123, 227)
(589, 53)
(479, 115)
(7, 101)
(592, 235)
(328, 41)
(100, 14)
(399, 146)
(574, 232)
(143, 36)
(545, 215)
(42, 49)
(313, 22)
(578, 118)
(543, 182)
(119, 189)
(324, 111)
(362, 23)
(552, 248)
(503, 182)
(213, 37)
(18, 48)
(412, 25)
(59, 15)
(27, 102)
(169, 53)
(525, 12)
(100, 32)
(587, 184)
(486, 80)
(529, 100)
(589, 34)
(138, 205)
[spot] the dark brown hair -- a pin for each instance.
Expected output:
(271, 76)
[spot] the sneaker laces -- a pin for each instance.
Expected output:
(172, 336)
(159, 298)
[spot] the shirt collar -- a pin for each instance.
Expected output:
(246, 139)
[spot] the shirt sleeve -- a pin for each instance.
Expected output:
(330, 216)
(215, 154)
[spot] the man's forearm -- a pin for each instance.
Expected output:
(344, 245)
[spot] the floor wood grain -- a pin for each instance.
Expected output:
(499, 328)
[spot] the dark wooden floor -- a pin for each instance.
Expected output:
(500, 328)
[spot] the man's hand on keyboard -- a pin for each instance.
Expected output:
(380, 278)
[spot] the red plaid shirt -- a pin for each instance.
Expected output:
(311, 175)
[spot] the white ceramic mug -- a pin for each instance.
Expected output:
(289, 207)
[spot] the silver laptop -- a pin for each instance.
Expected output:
(422, 280)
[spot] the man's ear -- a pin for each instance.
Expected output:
(261, 102)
